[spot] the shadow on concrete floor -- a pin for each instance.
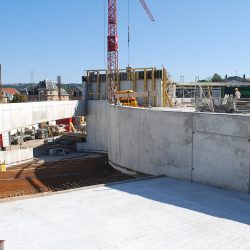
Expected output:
(200, 198)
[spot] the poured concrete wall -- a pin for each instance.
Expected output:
(93, 88)
(221, 150)
(153, 142)
(212, 149)
(20, 115)
(97, 121)
(16, 155)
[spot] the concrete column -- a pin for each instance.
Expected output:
(85, 94)
(1, 244)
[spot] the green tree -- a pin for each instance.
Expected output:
(19, 98)
(217, 78)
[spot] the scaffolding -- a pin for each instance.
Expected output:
(149, 85)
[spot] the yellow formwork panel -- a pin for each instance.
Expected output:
(3, 167)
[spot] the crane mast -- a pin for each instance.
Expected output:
(112, 46)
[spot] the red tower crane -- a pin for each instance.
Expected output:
(112, 45)
(113, 67)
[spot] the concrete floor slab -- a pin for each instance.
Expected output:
(159, 213)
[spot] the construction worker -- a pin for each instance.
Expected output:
(237, 93)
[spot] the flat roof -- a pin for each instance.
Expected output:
(214, 84)
(158, 213)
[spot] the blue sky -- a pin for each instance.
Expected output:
(190, 37)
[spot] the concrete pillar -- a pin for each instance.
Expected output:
(85, 93)
(1, 244)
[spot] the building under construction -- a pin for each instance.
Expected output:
(171, 164)
(150, 86)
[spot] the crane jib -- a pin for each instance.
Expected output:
(144, 5)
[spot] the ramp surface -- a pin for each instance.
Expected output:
(157, 213)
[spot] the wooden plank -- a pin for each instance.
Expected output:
(136, 94)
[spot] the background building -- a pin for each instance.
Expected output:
(8, 94)
(46, 90)
(75, 92)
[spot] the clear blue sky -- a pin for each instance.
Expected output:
(189, 37)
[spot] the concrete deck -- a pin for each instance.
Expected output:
(157, 213)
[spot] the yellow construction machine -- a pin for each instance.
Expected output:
(126, 98)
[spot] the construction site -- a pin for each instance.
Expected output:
(140, 160)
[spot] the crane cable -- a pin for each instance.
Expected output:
(104, 35)
(128, 32)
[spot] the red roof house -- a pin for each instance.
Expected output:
(10, 91)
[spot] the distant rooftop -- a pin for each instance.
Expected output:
(46, 84)
(10, 91)
(159, 213)
(236, 79)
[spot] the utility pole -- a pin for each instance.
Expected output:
(32, 83)
(59, 86)
(182, 78)
(197, 78)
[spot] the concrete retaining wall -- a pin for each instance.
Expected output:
(16, 155)
(221, 150)
(20, 115)
(97, 127)
(212, 149)
(153, 142)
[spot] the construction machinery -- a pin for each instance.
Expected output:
(112, 48)
(55, 130)
(125, 98)
(41, 133)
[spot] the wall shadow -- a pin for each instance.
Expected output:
(81, 108)
(211, 201)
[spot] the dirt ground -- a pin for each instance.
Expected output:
(39, 177)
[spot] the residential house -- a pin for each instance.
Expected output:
(75, 92)
(45, 91)
(8, 94)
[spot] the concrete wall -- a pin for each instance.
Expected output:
(125, 85)
(16, 155)
(212, 149)
(20, 115)
(153, 142)
(96, 127)
(221, 150)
